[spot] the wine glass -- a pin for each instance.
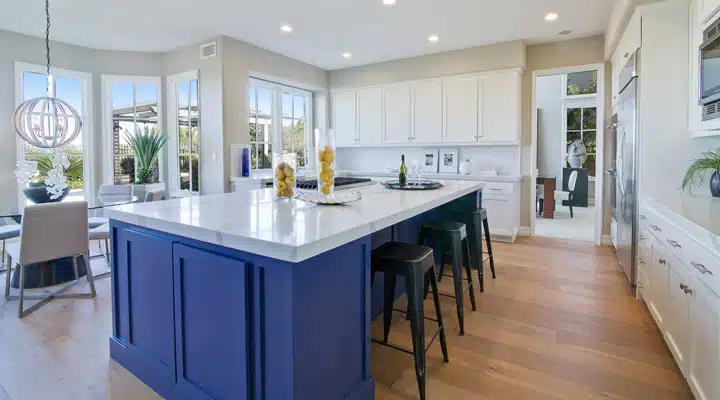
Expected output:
(414, 169)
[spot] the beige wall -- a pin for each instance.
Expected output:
(475, 59)
(569, 53)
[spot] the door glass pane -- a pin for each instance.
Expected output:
(287, 136)
(194, 118)
(589, 138)
(573, 119)
(34, 85)
(572, 136)
(581, 83)
(195, 174)
(299, 140)
(122, 121)
(184, 162)
(287, 105)
(262, 156)
(589, 118)
(298, 107)
(264, 102)
(70, 90)
(183, 93)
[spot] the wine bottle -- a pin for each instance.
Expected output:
(403, 172)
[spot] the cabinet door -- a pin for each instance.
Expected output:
(369, 117)
(461, 109)
(704, 361)
(657, 274)
(398, 117)
(427, 119)
(677, 327)
(500, 211)
(211, 324)
(344, 115)
(706, 9)
(615, 76)
(500, 108)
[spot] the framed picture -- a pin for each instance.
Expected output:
(430, 160)
(449, 161)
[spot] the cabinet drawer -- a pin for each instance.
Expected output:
(705, 264)
(504, 188)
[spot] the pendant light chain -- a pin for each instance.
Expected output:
(47, 43)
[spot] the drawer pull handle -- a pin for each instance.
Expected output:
(674, 244)
(641, 261)
(656, 228)
(662, 261)
(701, 268)
(641, 237)
(642, 216)
(496, 189)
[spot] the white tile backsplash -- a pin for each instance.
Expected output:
(504, 159)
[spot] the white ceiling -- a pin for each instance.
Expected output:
(322, 29)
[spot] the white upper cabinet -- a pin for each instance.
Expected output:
(398, 113)
(369, 116)
(704, 363)
(706, 10)
(499, 105)
(460, 105)
(344, 113)
(427, 116)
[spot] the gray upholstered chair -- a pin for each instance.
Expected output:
(155, 195)
(109, 190)
(7, 232)
(50, 232)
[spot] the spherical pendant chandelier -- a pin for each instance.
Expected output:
(47, 122)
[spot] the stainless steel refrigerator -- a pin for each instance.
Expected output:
(625, 208)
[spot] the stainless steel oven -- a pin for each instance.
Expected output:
(710, 72)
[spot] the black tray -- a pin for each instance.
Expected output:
(424, 185)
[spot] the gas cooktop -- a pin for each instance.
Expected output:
(341, 183)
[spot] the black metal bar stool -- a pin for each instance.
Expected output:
(414, 262)
(451, 237)
(482, 214)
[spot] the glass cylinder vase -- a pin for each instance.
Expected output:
(284, 167)
(325, 161)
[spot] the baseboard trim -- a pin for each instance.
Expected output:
(606, 240)
(524, 231)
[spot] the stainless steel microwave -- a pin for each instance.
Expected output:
(710, 72)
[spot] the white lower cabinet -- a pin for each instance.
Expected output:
(502, 202)
(703, 367)
(680, 290)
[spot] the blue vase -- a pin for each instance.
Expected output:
(715, 184)
(40, 195)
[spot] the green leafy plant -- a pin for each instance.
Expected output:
(697, 171)
(146, 145)
(74, 173)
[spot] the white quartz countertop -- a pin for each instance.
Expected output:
(267, 176)
(290, 230)
(701, 210)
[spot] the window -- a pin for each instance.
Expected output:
(188, 135)
(134, 106)
(581, 83)
(184, 135)
(74, 88)
(582, 124)
(278, 116)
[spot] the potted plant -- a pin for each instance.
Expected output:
(697, 171)
(146, 145)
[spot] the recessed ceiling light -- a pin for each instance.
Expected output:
(389, 2)
(563, 33)
(286, 28)
(347, 55)
(433, 38)
(551, 16)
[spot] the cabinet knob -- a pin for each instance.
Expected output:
(627, 55)
(642, 216)
(641, 237)
(655, 228)
(662, 261)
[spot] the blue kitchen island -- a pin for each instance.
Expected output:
(240, 296)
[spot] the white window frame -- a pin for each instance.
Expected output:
(173, 145)
(87, 119)
(277, 116)
(107, 81)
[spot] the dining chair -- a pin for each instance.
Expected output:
(7, 232)
(102, 234)
(563, 195)
(108, 190)
(50, 232)
(155, 195)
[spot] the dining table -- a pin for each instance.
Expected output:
(58, 271)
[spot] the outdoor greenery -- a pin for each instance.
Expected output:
(146, 145)
(127, 167)
(697, 171)
(575, 90)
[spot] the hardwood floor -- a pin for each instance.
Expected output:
(558, 323)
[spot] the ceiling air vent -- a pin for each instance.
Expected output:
(208, 50)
